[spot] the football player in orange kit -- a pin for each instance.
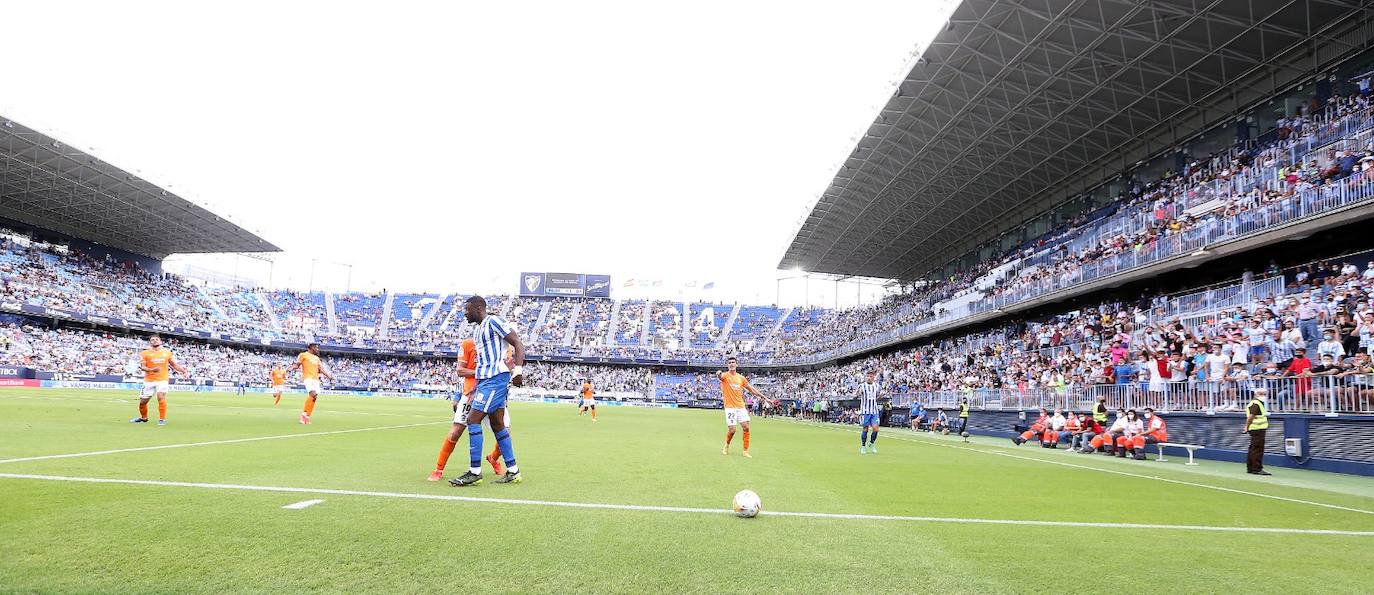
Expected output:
(311, 370)
(588, 399)
(155, 361)
(732, 388)
(467, 370)
(278, 377)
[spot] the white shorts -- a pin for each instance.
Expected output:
(153, 387)
(736, 415)
(276, 388)
(312, 385)
(465, 407)
(588, 402)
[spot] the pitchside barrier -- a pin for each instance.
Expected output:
(1326, 395)
(1341, 444)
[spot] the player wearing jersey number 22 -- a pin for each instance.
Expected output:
(732, 388)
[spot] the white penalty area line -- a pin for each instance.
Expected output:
(677, 509)
(213, 442)
(302, 504)
(939, 442)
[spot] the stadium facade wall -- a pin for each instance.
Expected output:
(1338, 444)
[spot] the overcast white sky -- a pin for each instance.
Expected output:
(433, 145)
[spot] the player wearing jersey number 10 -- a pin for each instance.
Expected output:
(732, 388)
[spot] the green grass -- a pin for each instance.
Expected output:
(60, 536)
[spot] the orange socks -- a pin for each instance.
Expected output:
(746, 440)
(444, 452)
(309, 406)
(593, 414)
(728, 437)
(162, 409)
(143, 409)
(277, 400)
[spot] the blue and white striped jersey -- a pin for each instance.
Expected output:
(868, 398)
(491, 346)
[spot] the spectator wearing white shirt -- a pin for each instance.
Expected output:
(1132, 427)
(1308, 322)
(1292, 334)
(1058, 420)
(1365, 330)
(1330, 346)
(1255, 338)
(1237, 386)
(1216, 366)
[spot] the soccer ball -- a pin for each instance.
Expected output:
(747, 504)
(964, 434)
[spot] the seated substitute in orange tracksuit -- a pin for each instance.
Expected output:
(1107, 440)
(1155, 433)
(1135, 428)
(1037, 428)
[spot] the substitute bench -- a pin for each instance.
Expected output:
(1189, 447)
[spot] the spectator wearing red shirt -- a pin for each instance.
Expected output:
(1301, 368)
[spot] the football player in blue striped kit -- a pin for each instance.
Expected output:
(869, 413)
(493, 385)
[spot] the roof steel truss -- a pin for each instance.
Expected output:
(1022, 102)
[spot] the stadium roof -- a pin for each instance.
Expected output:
(1019, 104)
(47, 184)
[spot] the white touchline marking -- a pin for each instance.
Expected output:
(937, 442)
(213, 442)
(179, 404)
(648, 508)
(302, 504)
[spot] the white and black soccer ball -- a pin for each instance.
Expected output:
(747, 504)
(964, 434)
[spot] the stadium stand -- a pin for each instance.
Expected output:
(706, 322)
(665, 325)
(409, 310)
(631, 322)
(593, 323)
(72, 351)
(1316, 164)
(303, 314)
(753, 324)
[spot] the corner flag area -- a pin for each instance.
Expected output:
(233, 495)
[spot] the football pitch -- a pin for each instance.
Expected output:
(636, 502)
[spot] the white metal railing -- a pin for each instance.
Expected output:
(1336, 394)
